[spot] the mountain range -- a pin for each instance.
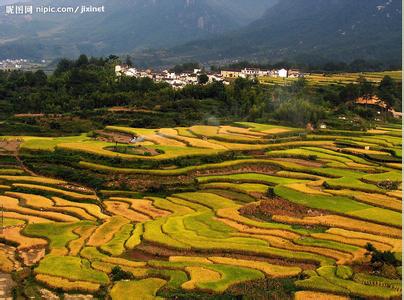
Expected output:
(126, 25)
(164, 32)
(311, 31)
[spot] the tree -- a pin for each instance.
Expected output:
(40, 78)
(366, 89)
(185, 67)
(349, 93)
(82, 61)
(203, 79)
(381, 257)
(118, 274)
(299, 112)
(128, 61)
(387, 91)
(113, 57)
(299, 85)
(63, 66)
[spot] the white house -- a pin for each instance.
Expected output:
(283, 73)
(132, 72)
(265, 73)
(118, 70)
(215, 77)
(250, 72)
(190, 78)
(169, 75)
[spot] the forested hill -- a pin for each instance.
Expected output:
(81, 95)
(312, 30)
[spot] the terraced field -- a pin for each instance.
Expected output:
(336, 79)
(206, 212)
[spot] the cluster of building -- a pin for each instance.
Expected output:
(174, 79)
(19, 64)
(192, 77)
(255, 72)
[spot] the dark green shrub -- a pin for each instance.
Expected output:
(381, 258)
(388, 185)
(118, 274)
(271, 193)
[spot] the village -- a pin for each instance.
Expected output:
(226, 76)
(200, 76)
(20, 64)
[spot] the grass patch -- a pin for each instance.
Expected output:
(72, 268)
(59, 235)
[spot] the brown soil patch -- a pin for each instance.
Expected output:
(149, 251)
(32, 256)
(302, 162)
(274, 261)
(113, 136)
(141, 182)
(268, 170)
(278, 206)
(9, 146)
(139, 254)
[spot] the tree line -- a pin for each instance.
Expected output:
(86, 84)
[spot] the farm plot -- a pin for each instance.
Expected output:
(104, 233)
(211, 211)
(144, 289)
(43, 203)
(70, 268)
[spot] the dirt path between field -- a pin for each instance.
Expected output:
(21, 163)
(6, 286)
(12, 147)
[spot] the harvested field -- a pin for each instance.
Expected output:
(106, 231)
(199, 275)
(13, 235)
(67, 285)
(123, 209)
(308, 295)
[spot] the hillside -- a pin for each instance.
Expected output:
(311, 30)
